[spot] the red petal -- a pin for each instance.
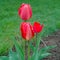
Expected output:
(25, 11)
(37, 27)
(26, 30)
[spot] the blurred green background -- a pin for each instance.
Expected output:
(46, 12)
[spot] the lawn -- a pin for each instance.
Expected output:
(47, 12)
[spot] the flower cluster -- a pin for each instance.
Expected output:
(27, 30)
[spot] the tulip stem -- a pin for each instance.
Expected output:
(25, 21)
(25, 50)
(23, 47)
(28, 51)
(36, 38)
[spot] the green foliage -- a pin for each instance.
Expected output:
(42, 53)
(12, 56)
(58, 25)
(47, 12)
(19, 49)
(4, 58)
(39, 54)
(19, 54)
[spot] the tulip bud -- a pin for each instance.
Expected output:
(25, 11)
(26, 30)
(37, 27)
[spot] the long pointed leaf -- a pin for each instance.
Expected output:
(19, 49)
(45, 49)
(13, 55)
(4, 58)
(44, 55)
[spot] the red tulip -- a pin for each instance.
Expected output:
(37, 27)
(26, 30)
(25, 11)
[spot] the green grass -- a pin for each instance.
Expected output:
(45, 11)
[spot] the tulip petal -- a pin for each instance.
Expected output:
(26, 30)
(37, 27)
(25, 11)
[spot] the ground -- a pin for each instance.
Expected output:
(53, 39)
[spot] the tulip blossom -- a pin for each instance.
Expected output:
(37, 27)
(25, 11)
(26, 30)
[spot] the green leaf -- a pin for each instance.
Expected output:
(19, 49)
(43, 52)
(32, 47)
(44, 55)
(35, 52)
(45, 49)
(4, 58)
(13, 55)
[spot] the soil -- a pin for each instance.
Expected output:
(53, 39)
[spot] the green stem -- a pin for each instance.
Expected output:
(28, 51)
(23, 47)
(36, 38)
(25, 51)
(25, 20)
(37, 42)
